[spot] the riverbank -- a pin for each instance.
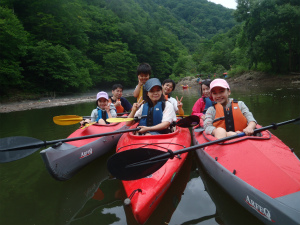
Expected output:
(252, 80)
(248, 80)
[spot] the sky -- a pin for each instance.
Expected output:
(226, 3)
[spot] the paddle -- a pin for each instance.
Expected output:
(73, 119)
(189, 120)
(141, 162)
(12, 148)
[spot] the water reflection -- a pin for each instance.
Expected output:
(91, 197)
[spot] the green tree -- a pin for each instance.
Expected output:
(13, 44)
(51, 68)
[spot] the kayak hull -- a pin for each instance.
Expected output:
(260, 173)
(145, 194)
(64, 160)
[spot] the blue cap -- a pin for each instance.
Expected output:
(151, 83)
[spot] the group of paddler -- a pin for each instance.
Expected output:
(157, 109)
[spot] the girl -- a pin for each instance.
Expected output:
(160, 113)
(203, 103)
(168, 86)
(238, 118)
(103, 111)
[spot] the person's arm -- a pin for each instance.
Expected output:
(137, 89)
(209, 118)
(161, 126)
(94, 115)
(249, 130)
(126, 104)
(136, 111)
(197, 108)
(112, 111)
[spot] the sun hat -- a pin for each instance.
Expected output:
(151, 83)
(102, 94)
(219, 83)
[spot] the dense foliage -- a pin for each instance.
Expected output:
(73, 45)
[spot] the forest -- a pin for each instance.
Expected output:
(71, 46)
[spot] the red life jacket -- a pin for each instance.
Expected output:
(234, 118)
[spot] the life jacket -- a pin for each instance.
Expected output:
(154, 114)
(119, 108)
(208, 103)
(102, 114)
(234, 118)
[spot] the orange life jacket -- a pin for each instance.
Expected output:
(234, 118)
(119, 108)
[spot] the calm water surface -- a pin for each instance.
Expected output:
(29, 195)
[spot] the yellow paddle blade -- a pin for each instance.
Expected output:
(87, 125)
(118, 120)
(67, 119)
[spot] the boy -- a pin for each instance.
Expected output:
(143, 73)
(121, 104)
(168, 86)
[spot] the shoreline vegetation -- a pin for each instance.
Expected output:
(249, 80)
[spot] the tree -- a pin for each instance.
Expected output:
(13, 44)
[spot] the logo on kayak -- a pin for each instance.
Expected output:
(258, 208)
(86, 153)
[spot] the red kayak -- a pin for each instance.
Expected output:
(146, 193)
(64, 160)
(259, 172)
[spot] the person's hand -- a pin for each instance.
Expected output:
(118, 103)
(140, 82)
(136, 106)
(203, 117)
(179, 103)
(143, 129)
(107, 108)
(248, 131)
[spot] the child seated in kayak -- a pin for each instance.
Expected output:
(202, 104)
(168, 86)
(143, 73)
(103, 111)
(238, 118)
(160, 113)
(121, 104)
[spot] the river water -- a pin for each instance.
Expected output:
(29, 195)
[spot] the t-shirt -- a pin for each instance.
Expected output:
(173, 101)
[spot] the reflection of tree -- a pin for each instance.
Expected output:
(86, 192)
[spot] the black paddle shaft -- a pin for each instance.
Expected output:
(171, 154)
(40, 143)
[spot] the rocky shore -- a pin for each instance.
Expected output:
(249, 80)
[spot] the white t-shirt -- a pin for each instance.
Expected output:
(169, 114)
(174, 103)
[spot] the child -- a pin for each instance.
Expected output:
(121, 104)
(203, 103)
(238, 118)
(103, 111)
(160, 113)
(168, 86)
(143, 73)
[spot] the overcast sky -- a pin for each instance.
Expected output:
(226, 3)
